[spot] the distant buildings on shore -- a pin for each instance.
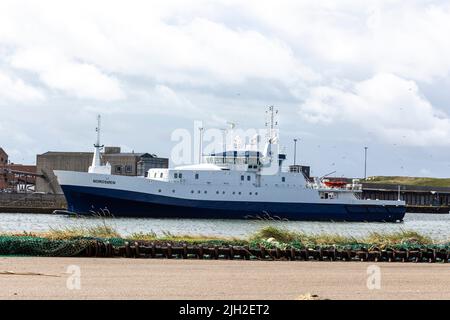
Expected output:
(125, 164)
(40, 177)
(16, 177)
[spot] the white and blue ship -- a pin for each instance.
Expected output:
(234, 184)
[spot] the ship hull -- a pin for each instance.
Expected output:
(124, 203)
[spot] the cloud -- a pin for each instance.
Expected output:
(353, 37)
(13, 89)
(386, 104)
(74, 78)
(159, 99)
(150, 40)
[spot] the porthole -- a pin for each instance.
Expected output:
(250, 193)
(173, 191)
(217, 192)
(256, 193)
(199, 191)
(206, 192)
(239, 193)
(192, 191)
(159, 190)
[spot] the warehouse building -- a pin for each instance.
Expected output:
(125, 164)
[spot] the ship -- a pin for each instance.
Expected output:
(236, 183)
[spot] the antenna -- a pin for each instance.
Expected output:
(99, 119)
(328, 174)
(271, 123)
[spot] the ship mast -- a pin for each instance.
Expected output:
(96, 160)
(271, 124)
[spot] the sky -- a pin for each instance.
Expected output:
(343, 75)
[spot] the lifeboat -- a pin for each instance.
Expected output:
(335, 184)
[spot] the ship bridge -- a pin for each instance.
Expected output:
(241, 158)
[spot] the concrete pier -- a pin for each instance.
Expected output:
(31, 202)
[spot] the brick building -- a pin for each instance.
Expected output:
(15, 177)
(3, 163)
(127, 164)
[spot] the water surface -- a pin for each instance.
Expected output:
(436, 226)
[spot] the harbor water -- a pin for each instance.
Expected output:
(437, 226)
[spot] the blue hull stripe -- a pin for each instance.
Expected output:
(84, 200)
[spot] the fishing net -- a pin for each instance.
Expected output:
(92, 246)
(35, 246)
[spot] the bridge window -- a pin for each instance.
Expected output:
(180, 175)
(249, 178)
(283, 179)
(242, 178)
(161, 175)
(175, 175)
(196, 176)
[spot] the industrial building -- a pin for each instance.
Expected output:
(15, 177)
(125, 164)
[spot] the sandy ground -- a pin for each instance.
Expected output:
(47, 278)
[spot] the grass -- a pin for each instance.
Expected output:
(269, 236)
(183, 238)
(411, 181)
(374, 239)
(102, 231)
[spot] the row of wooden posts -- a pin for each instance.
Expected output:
(168, 251)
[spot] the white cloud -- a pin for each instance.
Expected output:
(13, 89)
(159, 99)
(74, 78)
(152, 40)
(388, 105)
